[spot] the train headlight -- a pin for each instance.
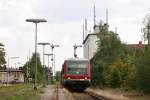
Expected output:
(68, 77)
(85, 78)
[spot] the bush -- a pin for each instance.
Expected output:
(143, 72)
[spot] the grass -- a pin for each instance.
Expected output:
(19, 92)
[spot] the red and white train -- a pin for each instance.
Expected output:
(76, 73)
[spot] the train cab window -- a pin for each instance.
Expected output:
(77, 67)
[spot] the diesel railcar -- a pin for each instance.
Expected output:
(76, 73)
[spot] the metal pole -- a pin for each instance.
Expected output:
(52, 63)
(75, 52)
(8, 62)
(27, 69)
(148, 33)
(44, 65)
(48, 68)
(35, 56)
(48, 61)
(43, 56)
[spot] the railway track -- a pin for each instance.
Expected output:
(76, 95)
(87, 96)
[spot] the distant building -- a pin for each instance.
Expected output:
(137, 46)
(11, 76)
(90, 44)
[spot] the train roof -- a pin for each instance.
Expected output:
(76, 59)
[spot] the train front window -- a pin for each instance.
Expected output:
(77, 68)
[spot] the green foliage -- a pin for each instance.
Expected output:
(2, 55)
(117, 73)
(109, 50)
(118, 65)
(97, 74)
(143, 72)
(29, 69)
(129, 82)
(58, 76)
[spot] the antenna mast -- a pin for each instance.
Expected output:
(116, 29)
(107, 16)
(94, 15)
(85, 27)
(83, 32)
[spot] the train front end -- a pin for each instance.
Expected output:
(76, 74)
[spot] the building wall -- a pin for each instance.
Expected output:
(8, 77)
(90, 46)
(3, 77)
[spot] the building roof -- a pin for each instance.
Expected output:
(88, 37)
(137, 46)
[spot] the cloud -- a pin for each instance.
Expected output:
(64, 26)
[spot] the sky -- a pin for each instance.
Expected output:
(64, 24)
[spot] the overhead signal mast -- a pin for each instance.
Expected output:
(75, 47)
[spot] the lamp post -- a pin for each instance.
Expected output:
(35, 21)
(44, 44)
(52, 49)
(75, 47)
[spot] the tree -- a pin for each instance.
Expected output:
(110, 49)
(58, 76)
(2, 55)
(117, 73)
(142, 74)
(30, 68)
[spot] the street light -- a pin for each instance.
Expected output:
(52, 48)
(75, 47)
(43, 44)
(35, 21)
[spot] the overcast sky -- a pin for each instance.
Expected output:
(64, 26)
